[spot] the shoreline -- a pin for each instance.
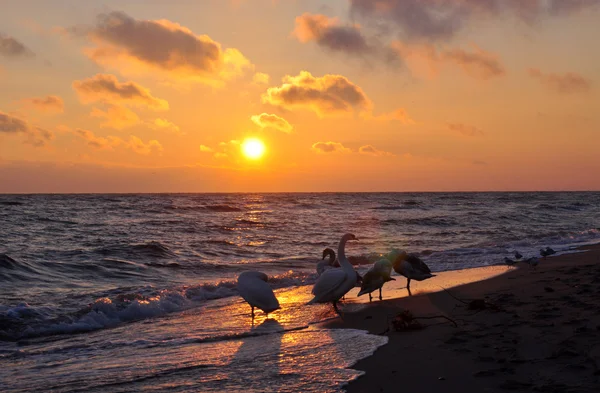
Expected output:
(538, 330)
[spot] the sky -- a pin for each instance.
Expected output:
(345, 95)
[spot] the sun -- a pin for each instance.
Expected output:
(253, 148)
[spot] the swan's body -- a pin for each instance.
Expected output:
(509, 262)
(335, 283)
(253, 288)
(518, 255)
(374, 279)
(411, 267)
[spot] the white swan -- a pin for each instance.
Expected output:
(326, 263)
(253, 288)
(374, 279)
(335, 283)
(411, 267)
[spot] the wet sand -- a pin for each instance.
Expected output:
(537, 330)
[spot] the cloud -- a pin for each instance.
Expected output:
(224, 150)
(567, 83)
(111, 142)
(117, 117)
(135, 46)
(328, 33)
(260, 78)
(426, 59)
(10, 47)
(106, 88)
(437, 20)
(465, 129)
(34, 135)
(331, 35)
(399, 114)
(165, 125)
(329, 147)
(326, 95)
(371, 151)
(265, 120)
(48, 104)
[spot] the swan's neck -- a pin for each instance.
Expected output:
(344, 263)
(331, 257)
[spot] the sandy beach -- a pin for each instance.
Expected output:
(533, 329)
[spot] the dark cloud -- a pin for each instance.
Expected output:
(329, 34)
(567, 83)
(326, 95)
(10, 47)
(443, 19)
(140, 46)
(106, 88)
(36, 136)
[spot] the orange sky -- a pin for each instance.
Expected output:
(347, 95)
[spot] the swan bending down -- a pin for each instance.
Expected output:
(411, 267)
(253, 288)
(374, 279)
(326, 263)
(335, 283)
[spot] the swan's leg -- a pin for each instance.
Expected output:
(336, 309)
(408, 287)
(252, 312)
(370, 298)
(380, 297)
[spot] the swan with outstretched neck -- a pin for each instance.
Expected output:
(335, 283)
(254, 289)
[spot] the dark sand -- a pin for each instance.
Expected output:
(542, 334)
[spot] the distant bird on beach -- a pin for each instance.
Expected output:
(374, 279)
(546, 252)
(509, 262)
(533, 261)
(518, 255)
(326, 263)
(335, 283)
(411, 267)
(253, 288)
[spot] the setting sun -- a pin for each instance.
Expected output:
(253, 148)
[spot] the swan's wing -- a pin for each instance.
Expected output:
(418, 264)
(328, 282)
(383, 266)
(371, 281)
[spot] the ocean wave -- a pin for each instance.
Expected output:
(152, 249)
(11, 203)
(24, 321)
(423, 221)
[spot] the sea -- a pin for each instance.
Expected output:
(124, 293)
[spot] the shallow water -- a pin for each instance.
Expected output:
(139, 290)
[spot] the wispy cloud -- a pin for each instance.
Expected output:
(329, 147)
(107, 88)
(372, 151)
(465, 129)
(117, 117)
(110, 142)
(48, 104)
(566, 83)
